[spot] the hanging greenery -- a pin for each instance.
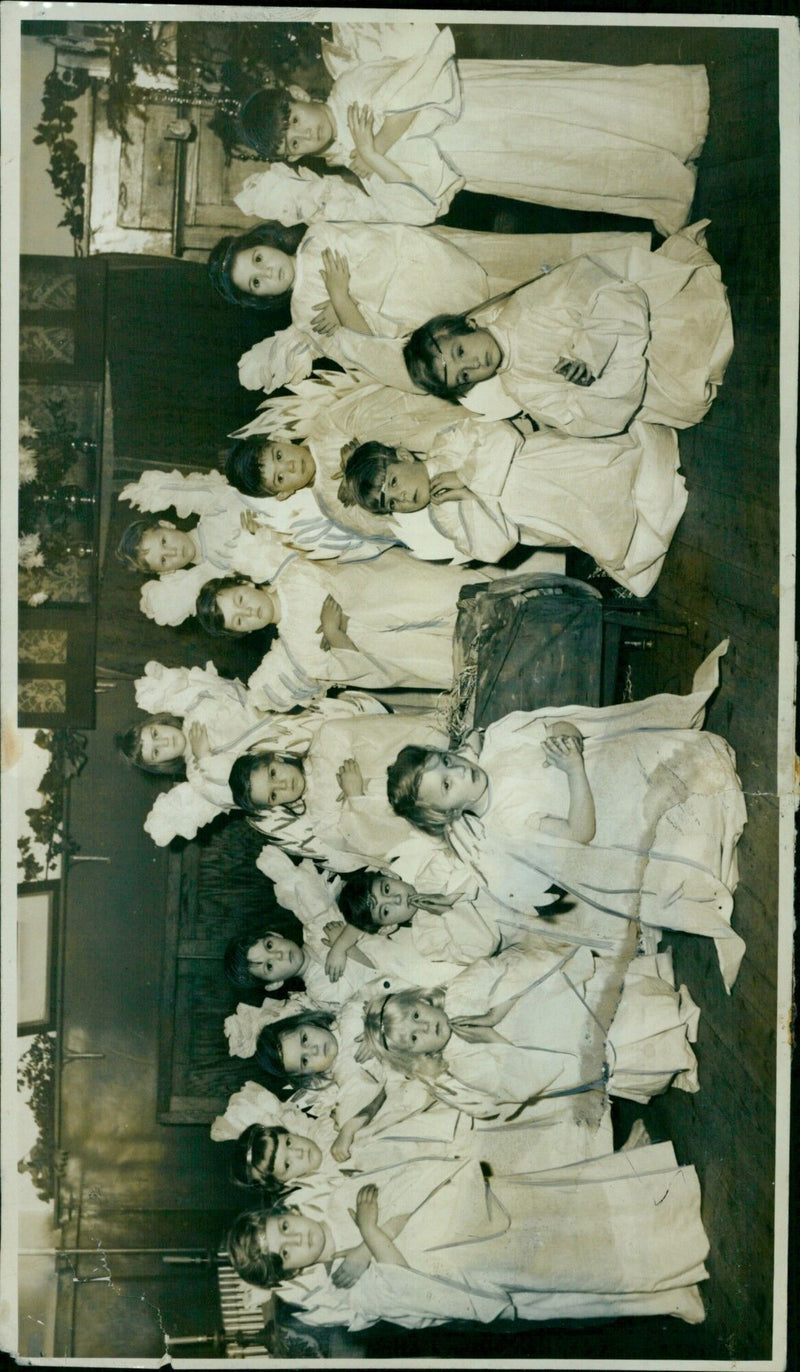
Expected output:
(67, 749)
(66, 170)
(36, 1073)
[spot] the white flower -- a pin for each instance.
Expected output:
(28, 554)
(38, 598)
(27, 465)
(26, 429)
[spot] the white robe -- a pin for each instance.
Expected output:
(654, 330)
(401, 619)
(614, 1235)
(669, 811)
(576, 135)
(361, 830)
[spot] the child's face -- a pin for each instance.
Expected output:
(391, 901)
(296, 1239)
(245, 608)
(274, 959)
(295, 1156)
(310, 130)
(450, 783)
(419, 1027)
(470, 357)
(308, 1049)
(165, 549)
(262, 270)
(406, 487)
(276, 782)
(285, 468)
(161, 743)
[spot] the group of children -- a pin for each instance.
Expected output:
(474, 971)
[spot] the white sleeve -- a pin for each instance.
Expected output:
(254, 1104)
(171, 598)
(299, 888)
(477, 526)
(179, 813)
(197, 493)
(354, 44)
(176, 689)
(259, 555)
(280, 683)
(490, 398)
(299, 196)
(421, 535)
(280, 360)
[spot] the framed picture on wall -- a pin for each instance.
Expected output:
(37, 956)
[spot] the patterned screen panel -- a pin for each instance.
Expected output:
(43, 646)
(42, 696)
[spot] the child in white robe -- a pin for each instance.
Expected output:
(618, 498)
(590, 345)
(328, 800)
(571, 134)
(378, 624)
(616, 1235)
(654, 810)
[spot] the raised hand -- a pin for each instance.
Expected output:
(249, 521)
(198, 740)
(366, 1212)
(335, 273)
(350, 779)
(565, 753)
(325, 320)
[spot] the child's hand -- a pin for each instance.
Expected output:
(332, 625)
(366, 1211)
(564, 753)
(447, 486)
(340, 1148)
(361, 123)
(363, 1052)
(331, 931)
(198, 740)
(250, 521)
(350, 779)
(576, 372)
(563, 728)
(326, 320)
(335, 274)
(353, 1267)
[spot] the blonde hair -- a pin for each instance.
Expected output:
(382, 1015)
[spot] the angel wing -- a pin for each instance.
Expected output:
(285, 357)
(300, 888)
(196, 493)
(171, 599)
(179, 813)
(254, 1104)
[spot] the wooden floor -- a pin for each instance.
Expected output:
(720, 579)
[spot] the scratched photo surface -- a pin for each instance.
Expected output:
(398, 770)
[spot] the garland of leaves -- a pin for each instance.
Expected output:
(68, 756)
(66, 170)
(54, 455)
(36, 1072)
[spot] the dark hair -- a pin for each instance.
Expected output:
(364, 476)
(354, 900)
(402, 779)
(254, 1147)
(421, 350)
(128, 549)
(221, 259)
(210, 616)
(237, 968)
(242, 464)
(268, 1054)
(129, 742)
(264, 121)
(243, 1243)
(240, 779)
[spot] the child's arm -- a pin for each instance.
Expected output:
(336, 275)
(344, 936)
(340, 1149)
(377, 1239)
(357, 1260)
(566, 753)
(392, 128)
(370, 150)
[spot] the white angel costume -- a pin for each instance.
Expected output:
(614, 1235)
(669, 814)
(225, 547)
(235, 724)
(618, 498)
(576, 135)
(312, 898)
(654, 330)
(401, 617)
(360, 830)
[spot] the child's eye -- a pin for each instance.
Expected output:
(304, 1039)
(413, 1038)
(279, 479)
(445, 785)
(415, 1014)
(304, 1063)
